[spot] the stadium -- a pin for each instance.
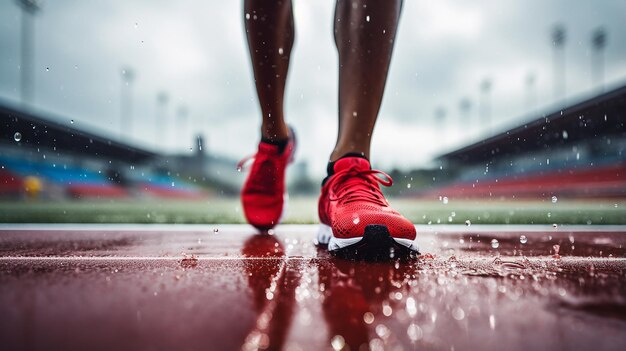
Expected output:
(132, 219)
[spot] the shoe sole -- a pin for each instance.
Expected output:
(376, 244)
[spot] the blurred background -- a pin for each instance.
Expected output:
(117, 111)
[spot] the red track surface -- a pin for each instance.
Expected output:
(73, 288)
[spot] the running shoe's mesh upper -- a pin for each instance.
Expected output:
(351, 199)
(262, 195)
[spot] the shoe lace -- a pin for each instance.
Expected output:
(264, 171)
(354, 185)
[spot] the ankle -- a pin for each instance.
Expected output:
(274, 132)
(347, 152)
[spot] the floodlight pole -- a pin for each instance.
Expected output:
(161, 118)
(126, 106)
(598, 42)
(182, 113)
(485, 88)
(558, 43)
(440, 122)
(29, 9)
(465, 106)
(530, 92)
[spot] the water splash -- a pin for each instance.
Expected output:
(494, 243)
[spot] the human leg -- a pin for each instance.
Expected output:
(357, 221)
(270, 33)
(365, 32)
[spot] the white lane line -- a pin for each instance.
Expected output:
(145, 258)
(292, 258)
(302, 228)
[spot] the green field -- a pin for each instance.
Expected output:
(304, 210)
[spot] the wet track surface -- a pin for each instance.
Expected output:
(227, 288)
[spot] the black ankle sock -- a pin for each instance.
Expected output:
(282, 144)
(330, 168)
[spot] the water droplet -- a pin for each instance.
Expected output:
(411, 306)
(492, 322)
(382, 331)
(554, 225)
(556, 249)
(523, 239)
(71, 121)
(458, 313)
(468, 222)
(173, 184)
(47, 69)
(215, 230)
(387, 309)
(408, 186)
(554, 199)
(367, 18)
(337, 342)
(494, 243)
(565, 135)
(280, 51)
(414, 332)
(368, 317)
(17, 136)
(238, 169)
(355, 219)
(445, 200)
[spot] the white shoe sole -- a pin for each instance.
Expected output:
(325, 236)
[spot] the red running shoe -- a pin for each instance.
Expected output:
(263, 193)
(356, 219)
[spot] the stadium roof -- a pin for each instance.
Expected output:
(602, 115)
(40, 132)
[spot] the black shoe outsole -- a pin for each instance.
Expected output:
(376, 245)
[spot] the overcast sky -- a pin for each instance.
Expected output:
(195, 51)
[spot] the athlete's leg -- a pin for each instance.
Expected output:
(365, 32)
(270, 32)
(357, 220)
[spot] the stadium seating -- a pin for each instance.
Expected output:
(10, 184)
(165, 186)
(77, 182)
(589, 182)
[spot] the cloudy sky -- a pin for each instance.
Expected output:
(195, 52)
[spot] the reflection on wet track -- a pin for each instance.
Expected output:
(195, 288)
